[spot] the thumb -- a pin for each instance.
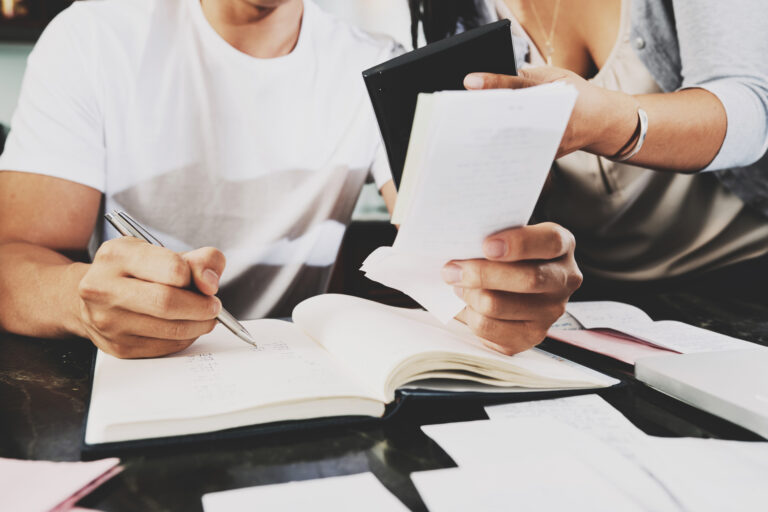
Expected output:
(478, 81)
(207, 265)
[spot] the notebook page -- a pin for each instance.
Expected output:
(486, 161)
(218, 376)
(374, 341)
(607, 315)
(671, 335)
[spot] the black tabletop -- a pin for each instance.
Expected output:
(44, 386)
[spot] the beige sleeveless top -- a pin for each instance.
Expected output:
(633, 223)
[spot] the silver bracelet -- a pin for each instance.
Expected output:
(640, 139)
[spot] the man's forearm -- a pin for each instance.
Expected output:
(38, 291)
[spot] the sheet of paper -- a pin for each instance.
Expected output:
(608, 344)
(552, 481)
(488, 155)
(701, 474)
(588, 413)
(32, 485)
(340, 493)
(478, 443)
(708, 475)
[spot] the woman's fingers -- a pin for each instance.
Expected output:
(507, 337)
(545, 241)
(526, 277)
(525, 78)
(513, 306)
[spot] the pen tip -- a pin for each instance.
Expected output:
(247, 336)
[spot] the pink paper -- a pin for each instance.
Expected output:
(609, 344)
(42, 486)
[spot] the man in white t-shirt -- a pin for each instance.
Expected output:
(242, 125)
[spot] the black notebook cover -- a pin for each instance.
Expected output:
(394, 86)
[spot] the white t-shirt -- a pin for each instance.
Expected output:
(207, 146)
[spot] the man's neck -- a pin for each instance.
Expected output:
(254, 27)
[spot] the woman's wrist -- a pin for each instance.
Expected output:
(616, 124)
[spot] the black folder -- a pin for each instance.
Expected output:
(394, 85)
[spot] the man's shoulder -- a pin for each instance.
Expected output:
(125, 22)
(340, 38)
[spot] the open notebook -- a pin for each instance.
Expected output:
(342, 356)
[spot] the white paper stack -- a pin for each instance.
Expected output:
(476, 164)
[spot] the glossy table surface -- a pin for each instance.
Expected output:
(44, 386)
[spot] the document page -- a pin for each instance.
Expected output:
(479, 443)
(711, 475)
(701, 474)
(203, 388)
(487, 156)
(588, 413)
(547, 481)
(350, 493)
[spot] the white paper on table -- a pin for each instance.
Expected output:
(551, 481)
(350, 493)
(34, 485)
(487, 157)
(709, 475)
(587, 413)
(478, 443)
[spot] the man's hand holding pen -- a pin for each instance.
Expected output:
(136, 300)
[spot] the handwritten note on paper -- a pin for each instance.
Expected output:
(588, 413)
(482, 174)
(341, 493)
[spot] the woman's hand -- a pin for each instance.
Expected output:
(602, 122)
(515, 295)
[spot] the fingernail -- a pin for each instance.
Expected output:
(211, 278)
(451, 273)
(458, 291)
(473, 82)
(218, 307)
(494, 248)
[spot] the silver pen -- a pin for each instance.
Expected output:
(128, 226)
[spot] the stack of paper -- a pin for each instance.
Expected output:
(340, 494)
(581, 454)
(32, 485)
(476, 163)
